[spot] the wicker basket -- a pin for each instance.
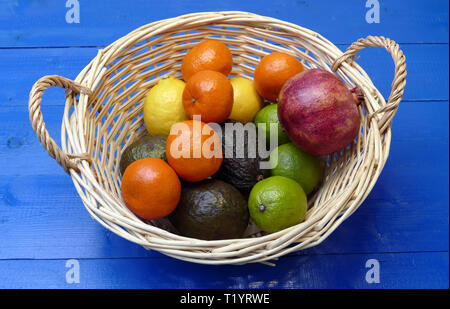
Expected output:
(103, 114)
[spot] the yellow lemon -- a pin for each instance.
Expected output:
(163, 106)
(247, 102)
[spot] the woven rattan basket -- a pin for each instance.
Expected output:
(103, 114)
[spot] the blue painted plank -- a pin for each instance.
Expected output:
(406, 211)
(427, 67)
(43, 23)
(21, 153)
(401, 270)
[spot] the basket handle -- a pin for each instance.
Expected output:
(399, 82)
(67, 161)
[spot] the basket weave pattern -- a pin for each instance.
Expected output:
(103, 115)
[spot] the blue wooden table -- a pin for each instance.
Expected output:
(45, 232)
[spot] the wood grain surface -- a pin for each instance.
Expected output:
(404, 223)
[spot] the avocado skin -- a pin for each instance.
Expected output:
(211, 210)
(147, 146)
(242, 173)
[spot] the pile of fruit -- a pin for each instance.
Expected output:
(192, 169)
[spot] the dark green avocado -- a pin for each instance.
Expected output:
(211, 209)
(243, 172)
(147, 146)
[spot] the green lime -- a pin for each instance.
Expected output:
(289, 161)
(276, 203)
(269, 115)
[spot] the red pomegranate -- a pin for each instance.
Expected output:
(318, 112)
